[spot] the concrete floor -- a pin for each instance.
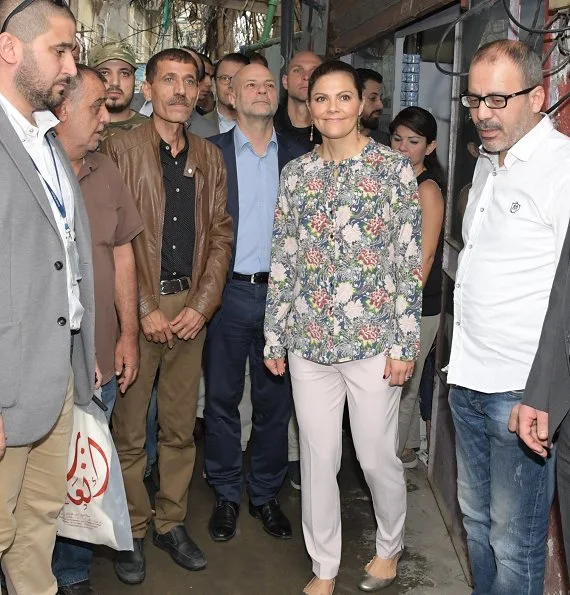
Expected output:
(253, 563)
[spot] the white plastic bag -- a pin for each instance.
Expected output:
(95, 509)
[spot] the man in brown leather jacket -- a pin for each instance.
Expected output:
(178, 181)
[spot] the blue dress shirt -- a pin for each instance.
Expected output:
(258, 187)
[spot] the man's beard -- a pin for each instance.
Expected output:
(117, 106)
(370, 122)
(37, 92)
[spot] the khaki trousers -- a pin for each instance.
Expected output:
(319, 392)
(177, 397)
(409, 416)
(32, 493)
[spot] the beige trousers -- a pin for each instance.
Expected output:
(32, 493)
(319, 392)
(409, 416)
(177, 398)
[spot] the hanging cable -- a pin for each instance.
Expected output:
(535, 20)
(562, 100)
(473, 11)
(530, 29)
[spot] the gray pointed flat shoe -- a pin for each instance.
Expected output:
(371, 583)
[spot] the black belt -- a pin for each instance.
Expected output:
(256, 278)
(174, 285)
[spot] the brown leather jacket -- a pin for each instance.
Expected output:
(136, 153)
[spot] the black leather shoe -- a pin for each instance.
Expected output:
(82, 588)
(130, 566)
(181, 548)
(222, 525)
(274, 521)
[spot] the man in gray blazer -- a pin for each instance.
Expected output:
(543, 415)
(46, 290)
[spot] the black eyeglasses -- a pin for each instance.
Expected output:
(22, 6)
(494, 101)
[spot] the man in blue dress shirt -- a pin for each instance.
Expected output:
(254, 154)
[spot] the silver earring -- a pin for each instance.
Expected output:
(311, 135)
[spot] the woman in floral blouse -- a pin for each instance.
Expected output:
(344, 300)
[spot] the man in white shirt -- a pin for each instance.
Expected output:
(513, 229)
(46, 290)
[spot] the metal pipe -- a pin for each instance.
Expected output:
(287, 29)
(264, 39)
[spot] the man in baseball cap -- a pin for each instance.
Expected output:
(117, 62)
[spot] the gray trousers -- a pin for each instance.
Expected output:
(409, 417)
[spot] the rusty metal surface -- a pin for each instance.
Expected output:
(354, 24)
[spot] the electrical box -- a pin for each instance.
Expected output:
(558, 4)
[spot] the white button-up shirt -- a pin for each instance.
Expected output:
(225, 124)
(513, 229)
(34, 140)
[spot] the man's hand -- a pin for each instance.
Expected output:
(398, 371)
(126, 361)
(156, 327)
(188, 324)
(276, 366)
(2, 439)
(532, 427)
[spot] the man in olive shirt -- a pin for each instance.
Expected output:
(116, 61)
(114, 222)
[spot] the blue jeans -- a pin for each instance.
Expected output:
(71, 560)
(504, 493)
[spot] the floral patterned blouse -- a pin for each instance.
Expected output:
(345, 281)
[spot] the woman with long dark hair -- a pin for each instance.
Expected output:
(413, 132)
(344, 300)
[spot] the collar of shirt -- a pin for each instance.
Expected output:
(25, 130)
(166, 148)
(223, 119)
(241, 141)
(89, 166)
(523, 149)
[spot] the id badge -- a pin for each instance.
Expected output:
(73, 261)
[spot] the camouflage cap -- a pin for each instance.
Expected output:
(114, 50)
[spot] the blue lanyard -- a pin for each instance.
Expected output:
(58, 202)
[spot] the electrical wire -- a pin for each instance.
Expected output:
(562, 100)
(535, 20)
(530, 29)
(473, 11)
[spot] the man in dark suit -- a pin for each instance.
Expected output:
(254, 155)
(543, 415)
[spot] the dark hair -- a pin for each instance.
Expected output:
(332, 67)
(367, 74)
(233, 57)
(205, 58)
(82, 72)
(257, 58)
(172, 54)
(423, 123)
(522, 55)
(28, 22)
(199, 61)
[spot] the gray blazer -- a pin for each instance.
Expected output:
(200, 126)
(35, 337)
(548, 385)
